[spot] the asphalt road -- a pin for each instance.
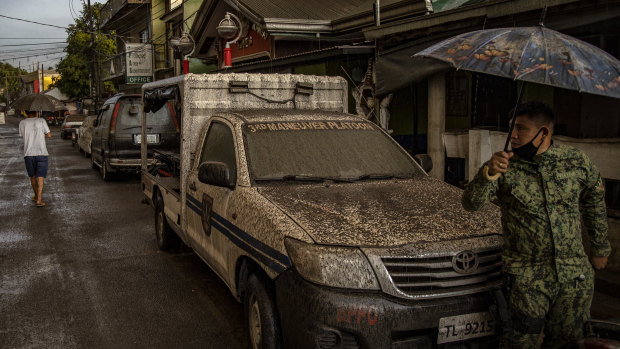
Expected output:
(85, 272)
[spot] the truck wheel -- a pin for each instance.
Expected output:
(166, 238)
(261, 315)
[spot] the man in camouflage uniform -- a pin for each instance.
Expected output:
(541, 188)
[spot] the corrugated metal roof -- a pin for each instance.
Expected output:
(310, 9)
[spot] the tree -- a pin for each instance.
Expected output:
(9, 81)
(73, 68)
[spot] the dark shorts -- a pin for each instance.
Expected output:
(36, 166)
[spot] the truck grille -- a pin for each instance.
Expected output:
(437, 275)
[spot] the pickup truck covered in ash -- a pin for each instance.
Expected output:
(329, 233)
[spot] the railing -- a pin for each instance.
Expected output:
(161, 57)
(113, 67)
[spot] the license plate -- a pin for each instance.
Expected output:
(463, 327)
(149, 139)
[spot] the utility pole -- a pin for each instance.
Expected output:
(42, 77)
(92, 67)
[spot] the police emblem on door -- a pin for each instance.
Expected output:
(465, 262)
(207, 209)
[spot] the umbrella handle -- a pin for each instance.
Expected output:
(513, 117)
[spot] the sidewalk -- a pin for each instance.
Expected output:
(606, 302)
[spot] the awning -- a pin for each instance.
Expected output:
(396, 69)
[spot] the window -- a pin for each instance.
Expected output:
(144, 36)
(105, 116)
(220, 146)
(172, 4)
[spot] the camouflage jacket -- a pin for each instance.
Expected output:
(540, 201)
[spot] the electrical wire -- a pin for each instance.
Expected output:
(32, 38)
(72, 10)
(22, 51)
(25, 20)
(40, 43)
(42, 54)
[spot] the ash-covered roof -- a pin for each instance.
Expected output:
(315, 9)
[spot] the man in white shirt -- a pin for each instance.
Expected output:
(34, 130)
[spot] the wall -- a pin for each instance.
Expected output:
(159, 33)
(189, 12)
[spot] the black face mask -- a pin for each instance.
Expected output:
(529, 150)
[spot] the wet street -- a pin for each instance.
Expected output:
(85, 272)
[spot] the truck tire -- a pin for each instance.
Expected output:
(166, 238)
(262, 318)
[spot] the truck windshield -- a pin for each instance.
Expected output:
(318, 150)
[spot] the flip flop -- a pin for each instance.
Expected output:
(40, 204)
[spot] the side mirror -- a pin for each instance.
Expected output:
(425, 161)
(215, 173)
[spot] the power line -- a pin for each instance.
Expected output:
(66, 28)
(22, 51)
(25, 20)
(40, 43)
(32, 38)
(42, 54)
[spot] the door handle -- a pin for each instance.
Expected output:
(192, 186)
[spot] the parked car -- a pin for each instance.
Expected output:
(84, 134)
(117, 134)
(70, 124)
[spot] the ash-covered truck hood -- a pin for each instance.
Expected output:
(382, 213)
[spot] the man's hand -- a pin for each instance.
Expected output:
(499, 162)
(48, 135)
(598, 262)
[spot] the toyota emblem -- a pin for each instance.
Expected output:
(465, 262)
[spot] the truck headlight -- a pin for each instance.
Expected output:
(343, 267)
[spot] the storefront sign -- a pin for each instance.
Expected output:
(139, 60)
(257, 43)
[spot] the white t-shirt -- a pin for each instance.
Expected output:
(33, 130)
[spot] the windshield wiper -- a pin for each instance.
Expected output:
(291, 178)
(374, 176)
(127, 128)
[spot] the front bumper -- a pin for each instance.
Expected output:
(315, 316)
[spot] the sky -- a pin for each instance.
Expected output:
(45, 43)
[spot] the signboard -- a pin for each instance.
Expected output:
(139, 60)
(257, 43)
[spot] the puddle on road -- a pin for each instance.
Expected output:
(12, 237)
(17, 278)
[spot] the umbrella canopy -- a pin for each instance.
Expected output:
(38, 102)
(533, 54)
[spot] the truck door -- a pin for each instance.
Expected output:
(100, 132)
(210, 202)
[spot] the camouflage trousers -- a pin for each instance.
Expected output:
(542, 305)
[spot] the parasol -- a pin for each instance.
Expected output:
(38, 102)
(530, 54)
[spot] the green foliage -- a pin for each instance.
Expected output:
(9, 79)
(73, 68)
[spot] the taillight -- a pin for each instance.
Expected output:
(114, 113)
